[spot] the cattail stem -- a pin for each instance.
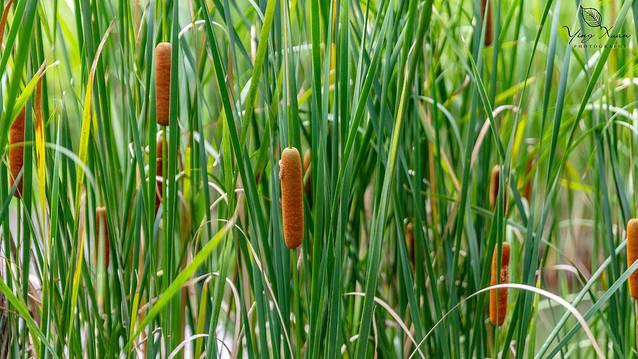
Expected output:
(254, 40)
(159, 179)
(102, 229)
(488, 23)
(500, 275)
(632, 255)
(163, 82)
(292, 197)
(16, 151)
(307, 162)
(307, 159)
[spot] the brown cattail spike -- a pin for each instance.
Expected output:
(291, 197)
(488, 22)
(101, 228)
(498, 297)
(162, 82)
(159, 184)
(16, 151)
(529, 175)
(494, 187)
(494, 183)
(632, 255)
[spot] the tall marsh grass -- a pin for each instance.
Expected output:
(155, 202)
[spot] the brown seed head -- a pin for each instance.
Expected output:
(529, 175)
(632, 255)
(498, 297)
(488, 23)
(101, 226)
(16, 152)
(291, 197)
(494, 183)
(162, 82)
(494, 187)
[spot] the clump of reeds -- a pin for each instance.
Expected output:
(632, 255)
(292, 197)
(102, 229)
(163, 82)
(488, 22)
(500, 275)
(159, 179)
(16, 151)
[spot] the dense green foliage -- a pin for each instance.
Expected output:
(405, 110)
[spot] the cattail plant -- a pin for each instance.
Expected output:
(494, 183)
(500, 275)
(528, 183)
(307, 161)
(494, 187)
(488, 22)
(291, 197)
(16, 152)
(409, 239)
(162, 82)
(159, 179)
(307, 157)
(101, 229)
(632, 255)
